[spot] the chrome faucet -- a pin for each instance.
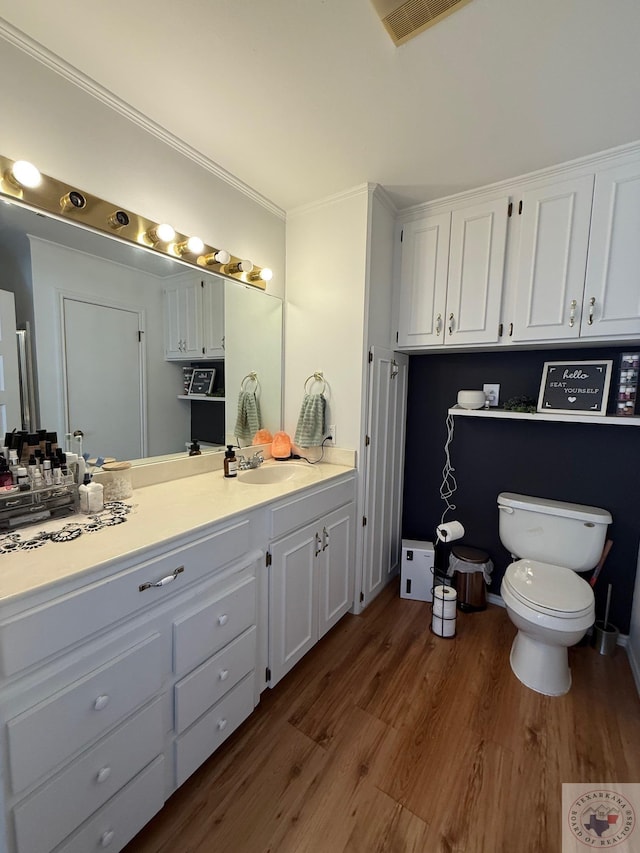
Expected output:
(253, 462)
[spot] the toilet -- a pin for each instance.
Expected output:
(551, 606)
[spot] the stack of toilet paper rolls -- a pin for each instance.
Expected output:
(443, 617)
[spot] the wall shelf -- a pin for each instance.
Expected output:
(541, 416)
(201, 397)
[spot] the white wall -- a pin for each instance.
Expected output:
(324, 319)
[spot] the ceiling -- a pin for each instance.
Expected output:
(301, 99)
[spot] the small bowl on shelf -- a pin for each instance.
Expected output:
(471, 399)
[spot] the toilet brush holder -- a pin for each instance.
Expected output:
(604, 638)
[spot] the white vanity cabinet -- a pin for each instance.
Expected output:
(451, 276)
(311, 572)
(116, 688)
(194, 318)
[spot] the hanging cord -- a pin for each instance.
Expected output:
(449, 484)
(312, 461)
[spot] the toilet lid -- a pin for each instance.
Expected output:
(548, 587)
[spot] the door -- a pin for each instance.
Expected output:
(552, 259)
(612, 294)
(384, 462)
(10, 411)
(476, 271)
(336, 567)
(423, 281)
(103, 362)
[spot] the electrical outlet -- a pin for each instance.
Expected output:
(331, 430)
(493, 394)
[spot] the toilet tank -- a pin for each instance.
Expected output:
(563, 534)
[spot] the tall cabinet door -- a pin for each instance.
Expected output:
(336, 567)
(552, 259)
(293, 599)
(213, 317)
(182, 308)
(423, 281)
(476, 270)
(612, 291)
(382, 546)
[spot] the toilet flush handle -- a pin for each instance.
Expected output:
(507, 509)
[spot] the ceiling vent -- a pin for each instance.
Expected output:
(405, 20)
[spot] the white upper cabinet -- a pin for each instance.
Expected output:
(451, 276)
(194, 319)
(552, 257)
(612, 289)
(213, 318)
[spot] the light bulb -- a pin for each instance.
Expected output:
(220, 257)
(241, 266)
(262, 275)
(25, 174)
(161, 234)
(192, 246)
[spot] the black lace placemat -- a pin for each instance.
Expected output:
(114, 512)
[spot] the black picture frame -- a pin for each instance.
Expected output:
(575, 387)
(202, 381)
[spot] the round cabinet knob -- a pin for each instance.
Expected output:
(101, 702)
(103, 774)
(106, 838)
(222, 724)
(224, 674)
(222, 620)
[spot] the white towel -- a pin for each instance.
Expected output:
(311, 422)
(249, 420)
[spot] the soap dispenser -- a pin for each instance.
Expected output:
(230, 462)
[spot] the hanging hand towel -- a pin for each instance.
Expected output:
(248, 421)
(311, 423)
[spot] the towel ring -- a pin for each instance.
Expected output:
(315, 377)
(250, 377)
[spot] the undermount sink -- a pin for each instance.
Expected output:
(275, 472)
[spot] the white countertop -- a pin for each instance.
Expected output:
(160, 514)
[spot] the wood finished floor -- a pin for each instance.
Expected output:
(387, 738)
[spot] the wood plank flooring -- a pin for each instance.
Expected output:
(388, 738)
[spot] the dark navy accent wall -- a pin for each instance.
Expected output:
(593, 464)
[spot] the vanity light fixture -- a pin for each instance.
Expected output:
(221, 256)
(192, 246)
(241, 266)
(23, 174)
(160, 234)
(262, 275)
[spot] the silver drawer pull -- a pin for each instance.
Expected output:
(106, 838)
(163, 581)
(103, 774)
(222, 724)
(222, 620)
(101, 702)
(224, 674)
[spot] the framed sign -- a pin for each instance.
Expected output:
(202, 381)
(575, 387)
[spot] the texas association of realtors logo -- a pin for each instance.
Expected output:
(602, 818)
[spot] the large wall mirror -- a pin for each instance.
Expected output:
(96, 308)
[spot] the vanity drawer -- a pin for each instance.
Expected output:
(204, 737)
(51, 813)
(123, 816)
(299, 511)
(202, 688)
(203, 632)
(42, 631)
(44, 736)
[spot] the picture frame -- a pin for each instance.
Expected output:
(575, 387)
(202, 381)
(627, 393)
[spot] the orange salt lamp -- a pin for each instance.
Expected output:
(263, 436)
(281, 446)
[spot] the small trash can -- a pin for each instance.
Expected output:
(470, 567)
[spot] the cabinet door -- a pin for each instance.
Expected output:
(423, 281)
(552, 259)
(476, 270)
(335, 567)
(612, 291)
(213, 318)
(182, 309)
(293, 599)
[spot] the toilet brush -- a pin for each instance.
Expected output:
(607, 606)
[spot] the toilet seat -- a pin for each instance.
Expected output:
(545, 588)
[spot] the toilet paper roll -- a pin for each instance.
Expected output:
(450, 531)
(444, 602)
(443, 627)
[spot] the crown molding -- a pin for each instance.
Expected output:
(54, 63)
(344, 195)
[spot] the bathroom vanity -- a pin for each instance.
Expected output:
(127, 656)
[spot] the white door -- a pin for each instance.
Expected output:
(104, 363)
(552, 260)
(384, 462)
(336, 567)
(612, 289)
(476, 271)
(10, 412)
(423, 281)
